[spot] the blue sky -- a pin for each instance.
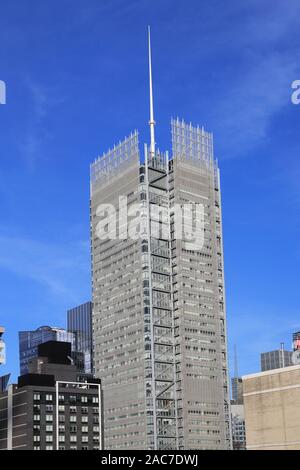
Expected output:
(76, 76)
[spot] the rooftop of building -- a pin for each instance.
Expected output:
(272, 372)
(53, 363)
(276, 351)
(45, 328)
(189, 143)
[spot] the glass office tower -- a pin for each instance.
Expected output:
(29, 341)
(80, 324)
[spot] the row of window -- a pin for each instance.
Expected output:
(62, 428)
(61, 418)
(72, 438)
(62, 408)
(49, 447)
(71, 398)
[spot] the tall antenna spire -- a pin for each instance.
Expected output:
(236, 371)
(151, 122)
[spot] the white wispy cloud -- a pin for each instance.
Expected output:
(262, 85)
(245, 113)
(59, 269)
(255, 330)
(250, 52)
(41, 101)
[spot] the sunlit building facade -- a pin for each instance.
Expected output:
(159, 320)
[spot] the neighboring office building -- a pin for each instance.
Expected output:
(30, 340)
(275, 359)
(272, 409)
(51, 408)
(237, 415)
(2, 346)
(159, 319)
(4, 379)
(237, 390)
(79, 322)
(238, 427)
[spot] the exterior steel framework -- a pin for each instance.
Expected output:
(79, 322)
(161, 319)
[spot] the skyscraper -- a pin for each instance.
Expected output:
(275, 359)
(52, 407)
(4, 379)
(2, 346)
(159, 319)
(80, 324)
(237, 390)
(236, 383)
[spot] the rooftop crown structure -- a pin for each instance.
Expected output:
(159, 320)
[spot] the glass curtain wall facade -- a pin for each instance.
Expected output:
(30, 340)
(79, 322)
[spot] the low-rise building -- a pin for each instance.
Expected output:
(52, 407)
(272, 409)
(237, 390)
(80, 325)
